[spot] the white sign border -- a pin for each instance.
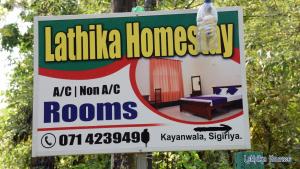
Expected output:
(246, 145)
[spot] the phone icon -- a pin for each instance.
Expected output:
(48, 140)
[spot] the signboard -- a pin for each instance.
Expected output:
(135, 82)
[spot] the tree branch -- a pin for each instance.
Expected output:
(189, 5)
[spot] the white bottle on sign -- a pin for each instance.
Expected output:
(207, 19)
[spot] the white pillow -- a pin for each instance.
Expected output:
(239, 91)
(223, 91)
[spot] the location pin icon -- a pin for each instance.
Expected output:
(145, 136)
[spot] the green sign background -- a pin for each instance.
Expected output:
(167, 20)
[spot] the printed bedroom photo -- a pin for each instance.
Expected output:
(192, 88)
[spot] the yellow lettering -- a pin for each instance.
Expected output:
(227, 36)
(133, 40)
(102, 52)
(162, 36)
(180, 38)
(82, 45)
(71, 48)
(115, 46)
(147, 42)
(61, 48)
(193, 39)
(49, 56)
(92, 42)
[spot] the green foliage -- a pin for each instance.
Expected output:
(94, 6)
(273, 81)
(191, 160)
(178, 160)
(84, 162)
(273, 64)
(9, 36)
(55, 7)
(178, 4)
(16, 121)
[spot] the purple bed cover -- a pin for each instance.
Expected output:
(215, 99)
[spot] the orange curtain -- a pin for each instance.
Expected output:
(166, 74)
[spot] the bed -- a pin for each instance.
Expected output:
(223, 97)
